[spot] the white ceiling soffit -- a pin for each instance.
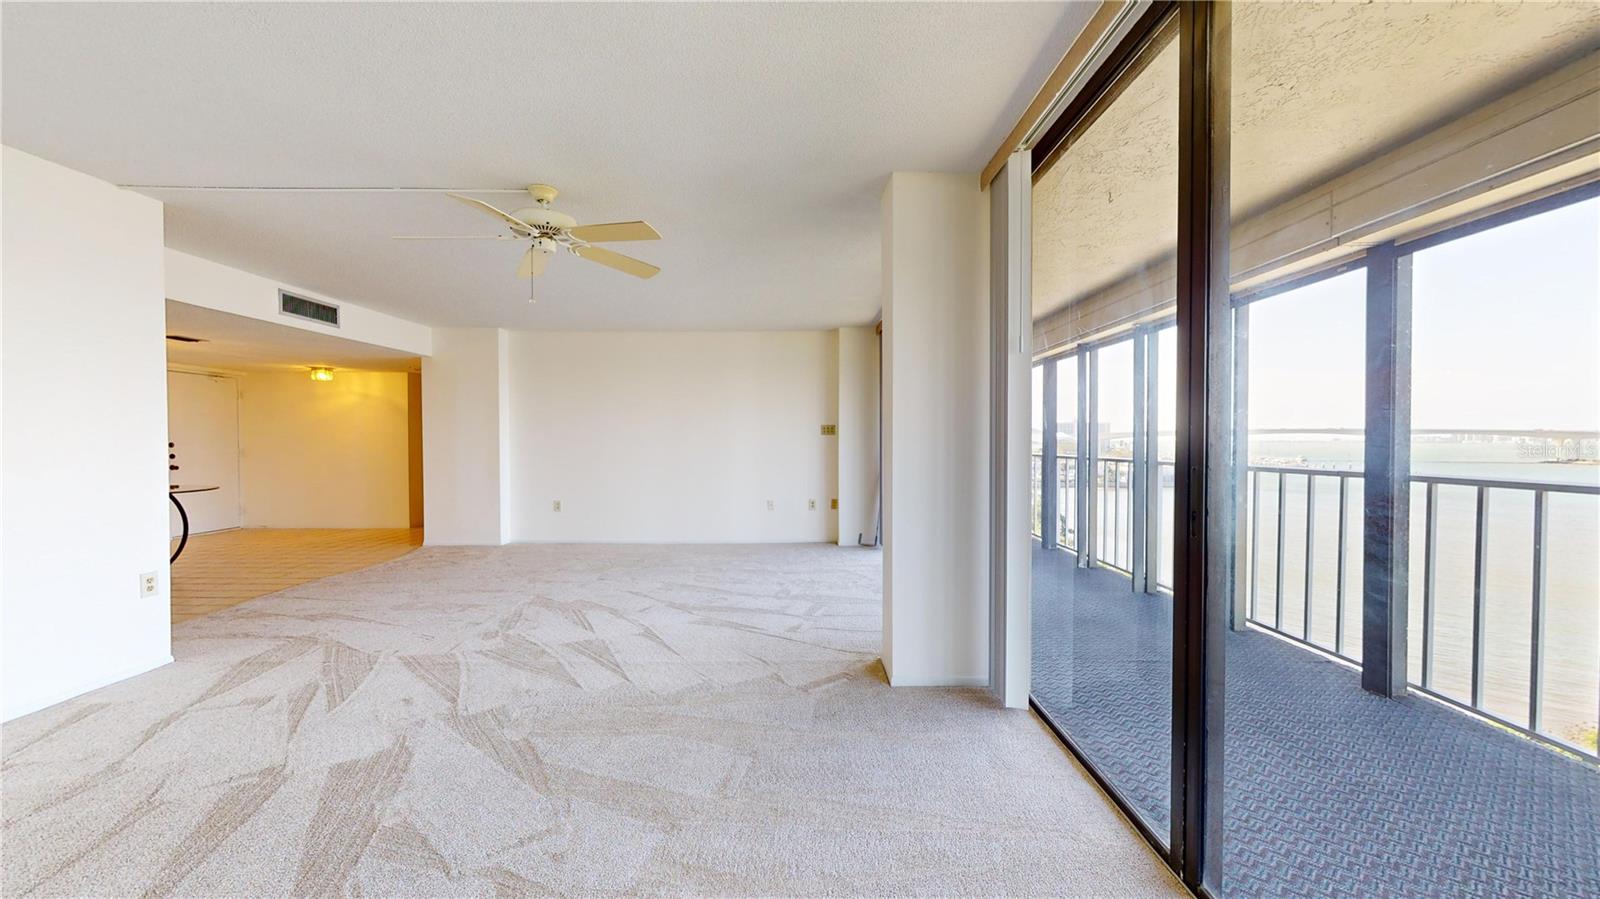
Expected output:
(755, 137)
(237, 343)
(1318, 89)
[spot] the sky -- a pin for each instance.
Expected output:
(1505, 334)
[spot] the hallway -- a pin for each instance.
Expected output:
(225, 568)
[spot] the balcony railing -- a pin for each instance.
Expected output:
(1326, 615)
(1267, 610)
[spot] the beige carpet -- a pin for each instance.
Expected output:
(535, 720)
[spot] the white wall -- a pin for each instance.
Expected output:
(671, 437)
(331, 454)
(936, 384)
(83, 387)
(201, 282)
(858, 434)
(463, 437)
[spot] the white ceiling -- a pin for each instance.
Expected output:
(755, 137)
(236, 343)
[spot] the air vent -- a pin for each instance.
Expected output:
(181, 338)
(310, 310)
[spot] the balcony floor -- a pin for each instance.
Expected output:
(1330, 790)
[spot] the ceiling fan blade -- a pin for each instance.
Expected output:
(510, 219)
(533, 263)
(615, 231)
(457, 237)
(625, 264)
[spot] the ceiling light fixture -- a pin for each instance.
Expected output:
(321, 373)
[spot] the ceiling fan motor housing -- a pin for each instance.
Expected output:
(545, 221)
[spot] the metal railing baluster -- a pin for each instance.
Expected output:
(1480, 586)
(1430, 533)
(1277, 599)
(1338, 575)
(1536, 638)
(1255, 543)
(1116, 513)
(1311, 530)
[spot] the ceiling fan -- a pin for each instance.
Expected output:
(548, 230)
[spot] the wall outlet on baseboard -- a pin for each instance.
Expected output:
(769, 505)
(148, 583)
(555, 505)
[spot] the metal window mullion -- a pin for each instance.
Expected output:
(1153, 491)
(1085, 461)
(1205, 493)
(1242, 607)
(1094, 504)
(1480, 588)
(1138, 560)
(1541, 535)
(1048, 513)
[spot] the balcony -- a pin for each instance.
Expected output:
(1330, 783)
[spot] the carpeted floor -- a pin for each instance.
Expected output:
(1329, 790)
(534, 720)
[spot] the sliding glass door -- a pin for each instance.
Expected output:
(1104, 229)
(1317, 321)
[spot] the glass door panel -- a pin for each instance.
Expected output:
(1104, 233)
(1411, 652)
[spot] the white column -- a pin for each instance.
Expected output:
(1011, 345)
(936, 430)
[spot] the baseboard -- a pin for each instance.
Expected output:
(610, 542)
(86, 686)
(951, 680)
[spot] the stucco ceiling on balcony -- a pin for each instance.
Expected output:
(1318, 89)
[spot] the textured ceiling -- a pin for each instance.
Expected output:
(238, 343)
(1318, 89)
(755, 137)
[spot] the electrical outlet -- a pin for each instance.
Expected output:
(811, 504)
(833, 504)
(830, 430)
(769, 505)
(148, 582)
(555, 505)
